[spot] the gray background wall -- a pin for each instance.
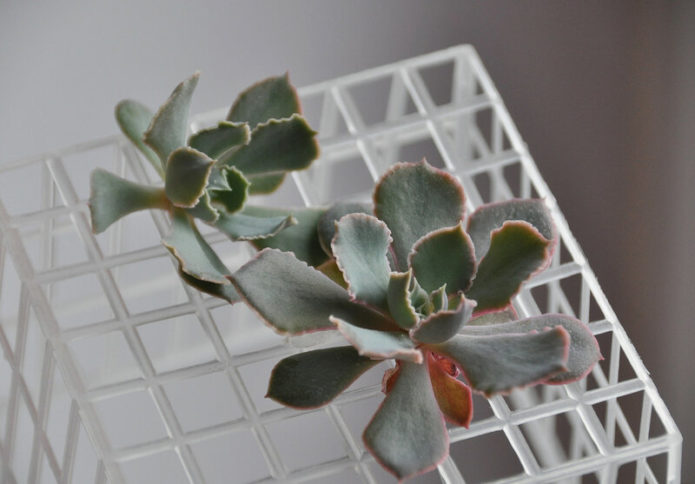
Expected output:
(603, 93)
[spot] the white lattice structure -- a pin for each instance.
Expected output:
(114, 371)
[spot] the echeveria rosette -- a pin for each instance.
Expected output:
(407, 276)
(209, 175)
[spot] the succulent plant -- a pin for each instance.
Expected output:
(418, 283)
(209, 175)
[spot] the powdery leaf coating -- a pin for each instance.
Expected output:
(295, 298)
(360, 246)
(500, 362)
(443, 325)
(242, 226)
(204, 210)
(492, 216)
(187, 173)
(517, 250)
(113, 197)
(335, 212)
(314, 378)
(398, 296)
(169, 126)
(195, 256)
(584, 351)
(454, 397)
(444, 256)
(415, 199)
(379, 344)
(219, 139)
(407, 434)
(133, 118)
(276, 146)
(272, 98)
(301, 238)
(230, 199)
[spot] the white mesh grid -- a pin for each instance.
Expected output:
(114, 371)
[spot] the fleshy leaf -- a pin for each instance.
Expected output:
(187, 175)
(232, 199)
(167, 131)
(193, 253)
(398, 295)
(265, 184)
(314, 378)
(584, 351)
(335, 212)
(517, 250)
(360, 246)
(454, 397)
(331, 269)
(204, 210)
(275, 147)
(243, 226)
(133, 119)
(439, 299)
(444, 256)
(217, 140)
(500, 362)
(443, 325)
(407, 434)
(295, 298)
(222, 291)
(301, 238)
(272, 98)
(415, 199)
(491, 217)
(419, 298)
(113, 197)
(505, 315)
(379, 344)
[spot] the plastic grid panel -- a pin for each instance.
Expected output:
(101, 389)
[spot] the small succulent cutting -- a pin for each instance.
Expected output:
(419, 283)
(209, 175)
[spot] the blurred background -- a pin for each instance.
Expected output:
(602, 92)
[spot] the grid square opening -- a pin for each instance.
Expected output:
(15, 197)
(78, 301)
(159, 467)
(104, 359)
(469, 453)
(381, 100)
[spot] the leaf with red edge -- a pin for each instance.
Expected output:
(272, 98)
(407, 435)
(500, 362)
(295, 298)
(517, 251)
(326, 224)
(360, 245)
(584, 351)
(443, 325)
(492, 216)
(379, 344)
(444, 256)
(454, 397)
(415, 199)
(314, 378)
(219, 139)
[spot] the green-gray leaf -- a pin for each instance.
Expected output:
(407, 433)
(232, 198)
(301, 239)
(360, 246)
(377, 344)
(517, 250)
(295, 298)
(444, 324)
(500, 362)
(133, 119)
(491, 217)
(400, 305)
(584, 351)
(275, 147)
(415, 199)
(265, 184)
(187, 175)
(222, 291)
(314, 378)
(113, 197)
(272, 98)
(193, 253)
(335, 212)
(204, 210)
(170, 125)
(243, 226)
(219, 139)
(444, 256)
